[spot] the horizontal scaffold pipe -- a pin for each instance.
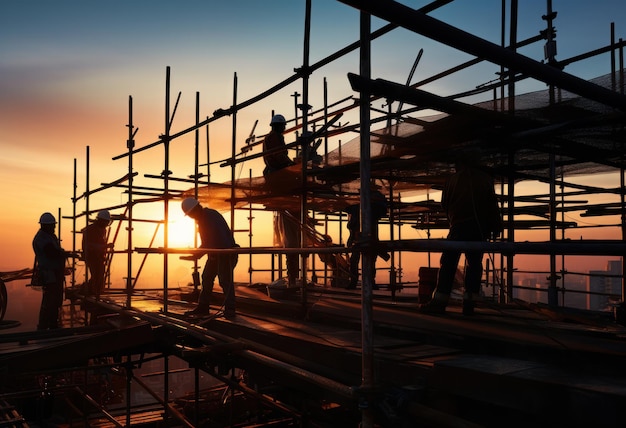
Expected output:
(178, 179)
(219, 113)
(114, 207)
(418, 97)
(434, 29)
(105, 186)
(564, 247)
(198, 252)
(470, 63)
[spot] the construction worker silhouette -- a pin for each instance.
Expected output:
(378, 204)
(275, 153)
(471, 206)
(50, 271)
(214, 233)
(95, 251)
(286, 223)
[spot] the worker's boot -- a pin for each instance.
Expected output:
(469, 303)
(199, 311)
(230, 313)
(437, 304)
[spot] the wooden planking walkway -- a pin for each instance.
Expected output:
(508, 358)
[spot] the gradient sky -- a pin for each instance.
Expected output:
(68, 67)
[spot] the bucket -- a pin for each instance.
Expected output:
(426, 283)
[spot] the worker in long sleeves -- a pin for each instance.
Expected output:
(286, 223)
(95, 248)
(214, 234)
(275, 153)
(50, 271)
(470, 204)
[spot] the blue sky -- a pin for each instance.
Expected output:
(68, 67)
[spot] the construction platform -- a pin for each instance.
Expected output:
(513, 365)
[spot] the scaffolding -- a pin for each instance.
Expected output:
(409, 155)
(573, 128)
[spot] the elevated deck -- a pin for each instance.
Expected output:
(519, 364)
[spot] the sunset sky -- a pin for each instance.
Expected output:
(68, 67)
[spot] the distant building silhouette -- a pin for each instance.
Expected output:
(599, 282)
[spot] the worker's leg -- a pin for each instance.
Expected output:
(208, 277)
(51, 302)
(225, 273)
(473, 272)
(293, 268)
(473, 278)
(355, 257)
(447, 270)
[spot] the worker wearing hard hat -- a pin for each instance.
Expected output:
(471, 205)
(95, 251)
(286, 224)
(214, 234)
(49, 271)
(275, 154)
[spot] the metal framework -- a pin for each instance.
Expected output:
(539, 149)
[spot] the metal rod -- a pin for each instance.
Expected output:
(512, 43)
(170, 410)
(569, 247)
(166, 174)
(439, 31)
(342, 52)
(367, 361)
(86, 203)
(101, 409)
(130, 144)
(196, 178)
(233, 152)
(303, 152)
(74, 226)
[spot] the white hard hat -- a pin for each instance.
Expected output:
(47, 218)
(103, 215)
(278, 118)
(188, 204)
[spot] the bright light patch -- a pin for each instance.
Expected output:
(181, 230)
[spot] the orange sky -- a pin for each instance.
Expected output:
(68, 73)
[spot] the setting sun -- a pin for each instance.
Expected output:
(181, 230)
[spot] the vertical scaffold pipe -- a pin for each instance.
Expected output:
(552, 289)
(250, 219)
(613, 79)
(507, 296)
(325, 95)
(512, 44)
(305, 124)
(392, 269)
(621, 91)
(130, 145)
(166, 190)
(503, 44)
(196, 178)
(622, 180)
(86, 204)
(233, 154)
(367, 370)
(166, 172)
(74, 227)
(550, 46)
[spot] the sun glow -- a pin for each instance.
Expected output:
(181, 230)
